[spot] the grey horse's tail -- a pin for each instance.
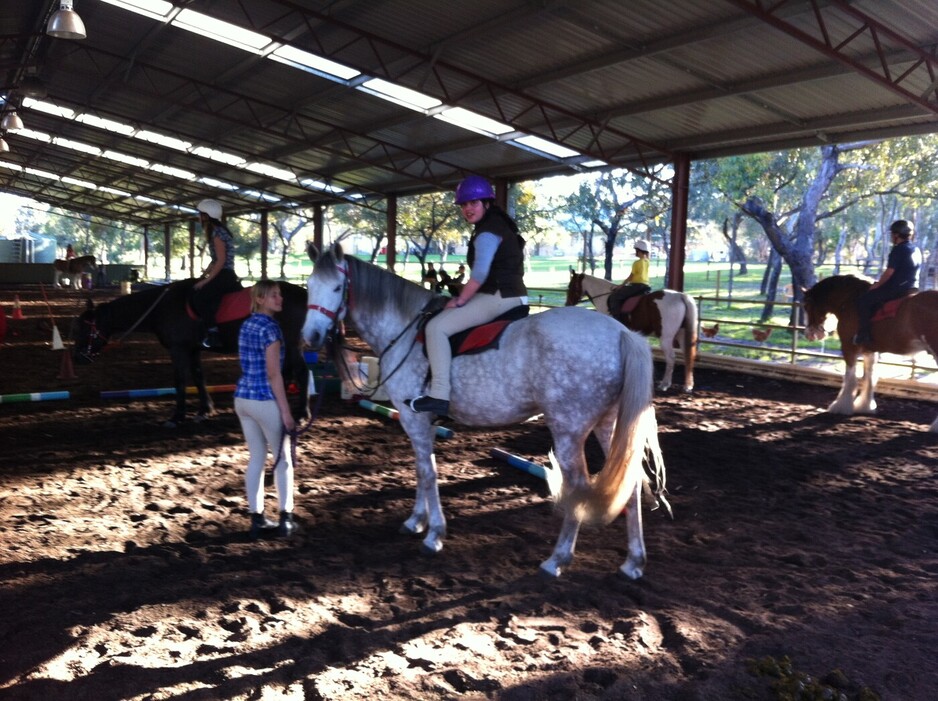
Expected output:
(636, 430)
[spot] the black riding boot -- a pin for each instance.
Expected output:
(260, 526)
(287, 526)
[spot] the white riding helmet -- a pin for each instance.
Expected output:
(212, 208)
(641, 245)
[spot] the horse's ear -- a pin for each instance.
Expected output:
(572, 271)
(312, 251)
(337, 250)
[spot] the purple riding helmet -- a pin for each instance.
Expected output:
(474, 187)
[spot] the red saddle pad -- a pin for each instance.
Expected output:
(234, 305)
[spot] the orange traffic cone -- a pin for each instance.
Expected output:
(17, 311)
(66, 370)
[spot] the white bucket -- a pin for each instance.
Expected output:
(373, 375)
(125, 287)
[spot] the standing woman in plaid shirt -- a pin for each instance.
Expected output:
(262, 407)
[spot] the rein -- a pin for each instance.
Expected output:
(107, 339)
(339, 314)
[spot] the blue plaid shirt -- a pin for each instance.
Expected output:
(257, 333)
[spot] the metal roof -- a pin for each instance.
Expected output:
(620, 83)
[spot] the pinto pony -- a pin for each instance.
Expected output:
(904, 327)
(73, 268)
(546, 364)
(669, 315)
(164, 311)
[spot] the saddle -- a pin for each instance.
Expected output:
(234, 305)
(891, 308)
(619, 306)
(479, 338)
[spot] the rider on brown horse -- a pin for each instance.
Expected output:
(897, 280)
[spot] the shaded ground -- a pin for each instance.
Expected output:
(125, 573)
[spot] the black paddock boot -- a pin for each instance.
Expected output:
(287, 525)
(261, 526)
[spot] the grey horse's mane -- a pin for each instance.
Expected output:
(373, 288)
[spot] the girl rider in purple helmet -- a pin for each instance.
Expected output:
(495, 285)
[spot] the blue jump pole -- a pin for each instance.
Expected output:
(33, 397)
(532, 468)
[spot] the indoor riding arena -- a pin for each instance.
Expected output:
(800, 562)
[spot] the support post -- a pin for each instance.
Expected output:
(679, 192)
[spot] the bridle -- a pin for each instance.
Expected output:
(344, 304)
(339, 315)
(583, 293)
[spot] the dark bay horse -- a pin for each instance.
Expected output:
(162, 310)
(669, 315)
(546, 363)
(904, 329)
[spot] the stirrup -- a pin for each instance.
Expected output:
(427, 404)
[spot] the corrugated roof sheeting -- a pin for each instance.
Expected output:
(627, 82)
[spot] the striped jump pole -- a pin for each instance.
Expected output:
(441, 431)
(532, 468)
(33, 397)
(159, 392)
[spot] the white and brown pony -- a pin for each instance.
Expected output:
(668, 315)
(73, 268)
(904, 327)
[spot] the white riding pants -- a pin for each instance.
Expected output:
(478, 310)
(263, 429)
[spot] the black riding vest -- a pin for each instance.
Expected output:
(507, 272)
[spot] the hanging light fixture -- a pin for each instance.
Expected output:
(65, 23)
(4, 148)
(11, 121)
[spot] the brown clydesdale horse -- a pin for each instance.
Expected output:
(904, 327)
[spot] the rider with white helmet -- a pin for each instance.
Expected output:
(637, 283)
(219, 277)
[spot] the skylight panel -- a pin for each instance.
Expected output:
(594, 164)
(76, 145)
(124, 158)
(319, 185)
(220, 184)
(472, 121)
(154, 9)
(536, 143)
(79, 183)
(399, 95)
(163, 140)
(102, 123)
(35, 135)
(113, 191)
(219, 156)
(222, 31)
(261, 195)
(271, 171)
(48, 108)
(174, 172)
(10, 166)
(41, 173)
(313, 63)
(149, 200)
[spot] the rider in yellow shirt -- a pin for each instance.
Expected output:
(637, 283)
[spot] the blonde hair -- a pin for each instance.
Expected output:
(259, 291)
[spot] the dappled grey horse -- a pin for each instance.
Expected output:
(584, 372)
